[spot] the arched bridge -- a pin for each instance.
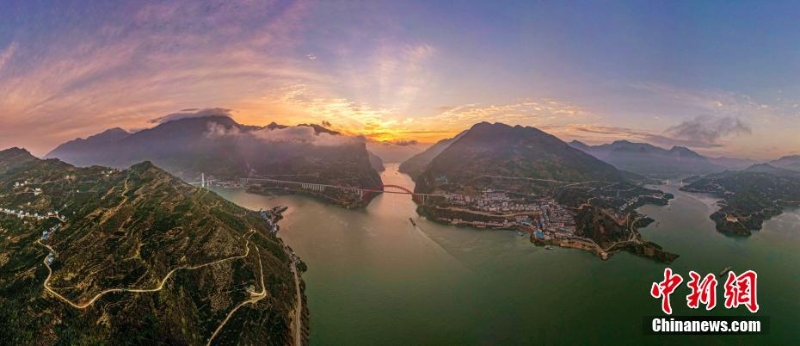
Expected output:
(364, 193)
(417, 197)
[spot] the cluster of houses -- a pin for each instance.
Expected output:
(499, 203)
(544, 213)
(26, 214)
(532, 215)
(635, 200)
(272, 216)
(36, 190)
(558, 218)
(492, 201)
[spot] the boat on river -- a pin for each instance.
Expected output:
(725, 271)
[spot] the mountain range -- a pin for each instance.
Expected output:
(220, 147)
(788, 162)
(651, 160)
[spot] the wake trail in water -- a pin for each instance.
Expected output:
(425, 241)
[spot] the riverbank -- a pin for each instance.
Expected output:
(627, 237)
(340, 200)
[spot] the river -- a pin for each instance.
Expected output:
(375, 279)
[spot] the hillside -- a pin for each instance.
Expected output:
(376, 162)
(416, 164)
(650, 160)
(221, 148)
(105, 256)
(789, 162)
(749, 197)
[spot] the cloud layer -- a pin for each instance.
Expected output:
(291, 134)
(708, 129)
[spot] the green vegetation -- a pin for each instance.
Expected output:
(129, 229)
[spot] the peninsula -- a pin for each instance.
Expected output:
(520, 178)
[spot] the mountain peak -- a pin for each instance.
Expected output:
(15, 151)
(13, 157)
(143, 166)
(500, 129)
(114, 130)
(321, 129)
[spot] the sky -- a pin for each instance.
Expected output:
(720, 77)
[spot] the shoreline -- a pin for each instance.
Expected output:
(635, 245)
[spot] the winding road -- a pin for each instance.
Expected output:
(254, 299)
(131, 290)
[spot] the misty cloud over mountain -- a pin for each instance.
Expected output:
(298, 134)
(708, 129)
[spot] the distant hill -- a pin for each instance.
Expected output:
(500, 150)
(771, 169)
(83, 151)
(732, 162)
(220, 147)
(789, 162)
(416, 164)
(650, 160)
(134, 229)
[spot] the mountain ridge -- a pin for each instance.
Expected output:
(647, 159)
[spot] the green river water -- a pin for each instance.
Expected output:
(374, 279)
